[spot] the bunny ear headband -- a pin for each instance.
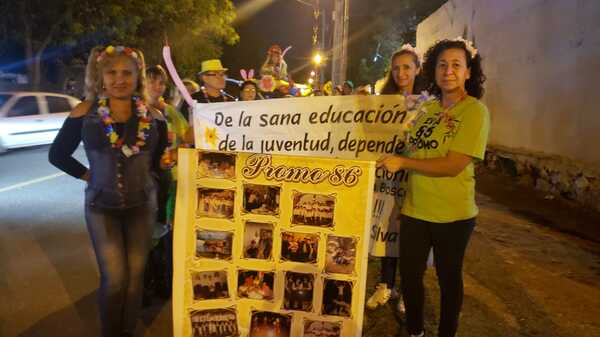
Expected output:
(247, 76)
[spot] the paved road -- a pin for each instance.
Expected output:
(48, 274)
(521, 278)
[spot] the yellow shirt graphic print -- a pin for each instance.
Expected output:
(463, 129)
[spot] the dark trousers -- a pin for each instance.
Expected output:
(449, 242)
(388, 271)
(121, 241)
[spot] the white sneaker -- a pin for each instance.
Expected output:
(422, 334)
(380, 297)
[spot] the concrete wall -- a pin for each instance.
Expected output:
(542, 61)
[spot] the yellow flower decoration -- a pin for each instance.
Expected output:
(328, 88)
(210, 136)
(110, 49)
(114, 137)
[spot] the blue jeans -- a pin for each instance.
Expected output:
(122, 240)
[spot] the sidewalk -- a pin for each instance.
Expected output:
(522, 277)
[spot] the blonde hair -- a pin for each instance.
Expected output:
(93, 72)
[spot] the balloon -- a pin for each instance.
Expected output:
(173, 72)
(285, 51)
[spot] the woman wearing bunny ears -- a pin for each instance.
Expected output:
(248, 88)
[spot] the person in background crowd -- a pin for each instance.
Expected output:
(179, 132)
(249, 91)
(439, 210)
(191, 86)
(402, 79)
(337, 90)
(212, 76)
(347, 88)
(158, 278)
(124, 140)
(364, 90)
(275, 65)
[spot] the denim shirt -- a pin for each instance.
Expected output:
(117, 181)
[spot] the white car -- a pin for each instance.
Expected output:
(32, 118)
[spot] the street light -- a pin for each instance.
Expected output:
(311, 81)
(317, 59)
(312, 73)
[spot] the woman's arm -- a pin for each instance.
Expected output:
(449, 166)
(67, 141)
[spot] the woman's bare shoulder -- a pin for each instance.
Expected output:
(81, 109)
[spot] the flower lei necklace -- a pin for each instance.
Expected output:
(119, 142)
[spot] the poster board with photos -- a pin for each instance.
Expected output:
(270, 245)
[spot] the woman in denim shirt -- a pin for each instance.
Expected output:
(124, 141)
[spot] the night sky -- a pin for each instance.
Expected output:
(284, 22)
(289, 22)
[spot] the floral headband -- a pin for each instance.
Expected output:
(408, 48)
(111, 51)
(468, 45)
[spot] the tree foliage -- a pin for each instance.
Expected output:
(195, 29)
(385, 23)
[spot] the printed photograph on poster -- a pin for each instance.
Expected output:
(215, 203)
(256, 285)
(298, 294)
(337, 298)
(258, 240)
(261, 199)
(321, 329)
(299, 247)
(216, 165)
(313, 209)
(213, 244)
(340, 254)
(210, 285)
(270, 324)
(214, 323)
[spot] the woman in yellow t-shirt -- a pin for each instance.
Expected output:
(439, 209)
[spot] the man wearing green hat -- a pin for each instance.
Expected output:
(212, 77)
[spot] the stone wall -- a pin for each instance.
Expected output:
(554, 175)
(542, 62)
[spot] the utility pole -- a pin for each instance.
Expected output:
(340, 41)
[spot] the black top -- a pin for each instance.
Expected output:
(69, 137)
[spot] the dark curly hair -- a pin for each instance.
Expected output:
(474, 85)
(390, 87)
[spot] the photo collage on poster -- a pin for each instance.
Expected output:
(302, 254)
